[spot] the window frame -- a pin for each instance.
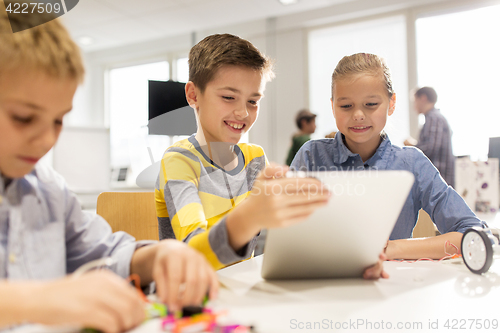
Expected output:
(170, 58)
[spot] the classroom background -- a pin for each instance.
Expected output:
(450, 45)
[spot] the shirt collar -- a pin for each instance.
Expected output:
(431, 111)
(21, 186)
(236, 149)
(345, 153)
(2, 185)
(381, 152)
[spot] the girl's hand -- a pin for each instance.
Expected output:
(377, 271)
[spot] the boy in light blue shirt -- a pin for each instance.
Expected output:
(362, 98)
(44, 234)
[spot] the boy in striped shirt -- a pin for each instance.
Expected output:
(211, 192)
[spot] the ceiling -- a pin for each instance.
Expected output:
(112, 23)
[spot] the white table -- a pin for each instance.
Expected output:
(421, 292)
(413, 298)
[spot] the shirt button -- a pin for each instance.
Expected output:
(12, 258)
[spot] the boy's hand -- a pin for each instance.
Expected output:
(99, 300)
(281, 201)
(275, 201)
(377, 271)
(183, 276)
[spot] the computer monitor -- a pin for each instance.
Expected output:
(169, 111)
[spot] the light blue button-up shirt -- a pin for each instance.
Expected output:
(430, 192)
(44, 234)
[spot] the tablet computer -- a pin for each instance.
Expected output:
(343, 238)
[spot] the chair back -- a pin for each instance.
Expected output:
(424, 227)
(132, 212)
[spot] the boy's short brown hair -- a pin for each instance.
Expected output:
(47, 48)
(429, 92)
(215, 51)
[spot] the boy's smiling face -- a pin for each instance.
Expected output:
(229, 105)
(32, 106)
(361, 105)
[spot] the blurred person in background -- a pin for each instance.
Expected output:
(306, 123)
(435, 137)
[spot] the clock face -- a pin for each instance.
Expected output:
(477, 251)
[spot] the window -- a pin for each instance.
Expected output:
(384, 37)
(456, 56)
(128, 115)
(182, 70)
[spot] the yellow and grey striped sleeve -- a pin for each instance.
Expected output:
(176, 194)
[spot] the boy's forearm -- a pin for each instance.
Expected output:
(142, 263)
(17, 303)
(416, 248)
(241, 228)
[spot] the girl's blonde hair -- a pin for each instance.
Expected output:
(363, 63)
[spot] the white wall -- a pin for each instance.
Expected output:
(284, 39)
(284, 96)
(88, 104)
(291, 87)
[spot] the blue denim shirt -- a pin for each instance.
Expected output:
(44, 233)
(430, 192)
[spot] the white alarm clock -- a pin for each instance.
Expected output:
(479, 247)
